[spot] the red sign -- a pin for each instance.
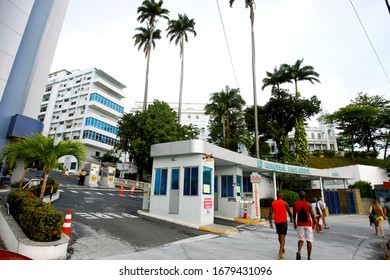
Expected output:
(255, 178)
(208, 203)
(386, 185)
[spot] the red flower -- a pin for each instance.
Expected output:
(55, 232)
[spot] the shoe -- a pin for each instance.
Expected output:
(327, 227)
(298, 256)
(280, 257)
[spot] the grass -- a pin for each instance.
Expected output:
(325, 162)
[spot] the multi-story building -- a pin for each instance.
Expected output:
(29, 32)
(82, 105)
(191, 113)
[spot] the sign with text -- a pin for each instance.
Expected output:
(255, 178)
(256, 200)
(208, 203)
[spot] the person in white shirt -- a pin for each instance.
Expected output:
(322, 205)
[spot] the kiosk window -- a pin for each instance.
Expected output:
(247, 186)
(238, 184)
(175, 179)
(160, 183)
(207, 179)
(191, 181)
(227, 186)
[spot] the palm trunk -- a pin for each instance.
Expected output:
(22, 178)
(252, 17)
(43, 188)
(181, 82)
(147, 68)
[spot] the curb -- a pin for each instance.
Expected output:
(249, 221)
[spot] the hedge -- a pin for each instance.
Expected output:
(39, 223)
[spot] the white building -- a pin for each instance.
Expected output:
(191, 113)
(82, 105)
(29, 31)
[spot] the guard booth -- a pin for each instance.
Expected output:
(92, 169)
(107, 177)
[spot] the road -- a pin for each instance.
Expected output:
(105, 222)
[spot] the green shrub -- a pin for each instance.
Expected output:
(366, 190)
(329, 153)
(266, 201)
(37, 189)
(290, 197)
(39, 223)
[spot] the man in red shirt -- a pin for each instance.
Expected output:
(303, 212)
(278, 210)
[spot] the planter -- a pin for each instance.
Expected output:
(16, 241)
(5, 191)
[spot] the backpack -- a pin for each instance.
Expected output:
(302, 216)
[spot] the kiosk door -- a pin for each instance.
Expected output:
(174, 192)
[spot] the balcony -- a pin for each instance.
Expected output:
(110, 89)
(104, 109)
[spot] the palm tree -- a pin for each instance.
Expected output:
(250, 4)
(150, 11)
(178, 29)
(44, 150)
(222, 107)
(275, 79)
(297, 73)
(143, 37)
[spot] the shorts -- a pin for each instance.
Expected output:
(380, 219)
(305, 234)
(281, 228)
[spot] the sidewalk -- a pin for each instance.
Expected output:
(349, 238)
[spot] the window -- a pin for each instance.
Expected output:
(175, 179)
(238, 184)
(207, 179)
(160, 183)
(319, 135)
(227, 186)
(191, 181)
(247, 185)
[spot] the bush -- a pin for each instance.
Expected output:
(365, 188)
(50, 182)
(39, 223)
(266, 201)
(290, 197)
(329, 153)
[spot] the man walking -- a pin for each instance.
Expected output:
(303, 216)
(278, 211)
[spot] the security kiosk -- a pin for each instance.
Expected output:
(92, 169)
(108, 176)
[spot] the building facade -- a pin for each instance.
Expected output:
(29, 32)
(82, 105)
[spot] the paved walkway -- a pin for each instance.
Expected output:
(349, 238)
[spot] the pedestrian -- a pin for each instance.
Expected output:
(67, 173)
(377, 216)
(82, 175)
(278, 211)
(303, 216)
(318, 214)
(386, 209)
(322, 205)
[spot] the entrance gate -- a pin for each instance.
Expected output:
(332, 200)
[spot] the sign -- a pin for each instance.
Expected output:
(208, 203)
(255, 178)
(256, 199)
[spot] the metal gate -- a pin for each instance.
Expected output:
(351, 202)
(332, 200)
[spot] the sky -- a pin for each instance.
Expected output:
(328, 35)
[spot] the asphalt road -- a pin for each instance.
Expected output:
(105, 222)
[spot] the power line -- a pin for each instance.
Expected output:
(368, 37)
(227, 44)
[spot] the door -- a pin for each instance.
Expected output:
(174, 192)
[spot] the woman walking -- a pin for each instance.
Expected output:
(378, 217)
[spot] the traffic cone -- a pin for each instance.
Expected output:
(121, 191)
(67, 223)
(132, 190)
(245, 216)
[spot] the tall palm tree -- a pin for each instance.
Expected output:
(297, 73)
(177, 30)
(222, 107)
(44, 150)
(142, 39)
(275, 79)
(149, 12)
(250, 4)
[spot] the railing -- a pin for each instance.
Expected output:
(129, 183)
(32, 182)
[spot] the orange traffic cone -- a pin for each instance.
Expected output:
(67, 223)
(245, 216)
(121, 191)
(132, 190)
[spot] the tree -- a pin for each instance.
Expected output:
(44, 150)
(177, 30)
(149, 12)
(227, 125)
(275, 79)
(296, 73)
(139, 131)
(250, 4)
(142, 39)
